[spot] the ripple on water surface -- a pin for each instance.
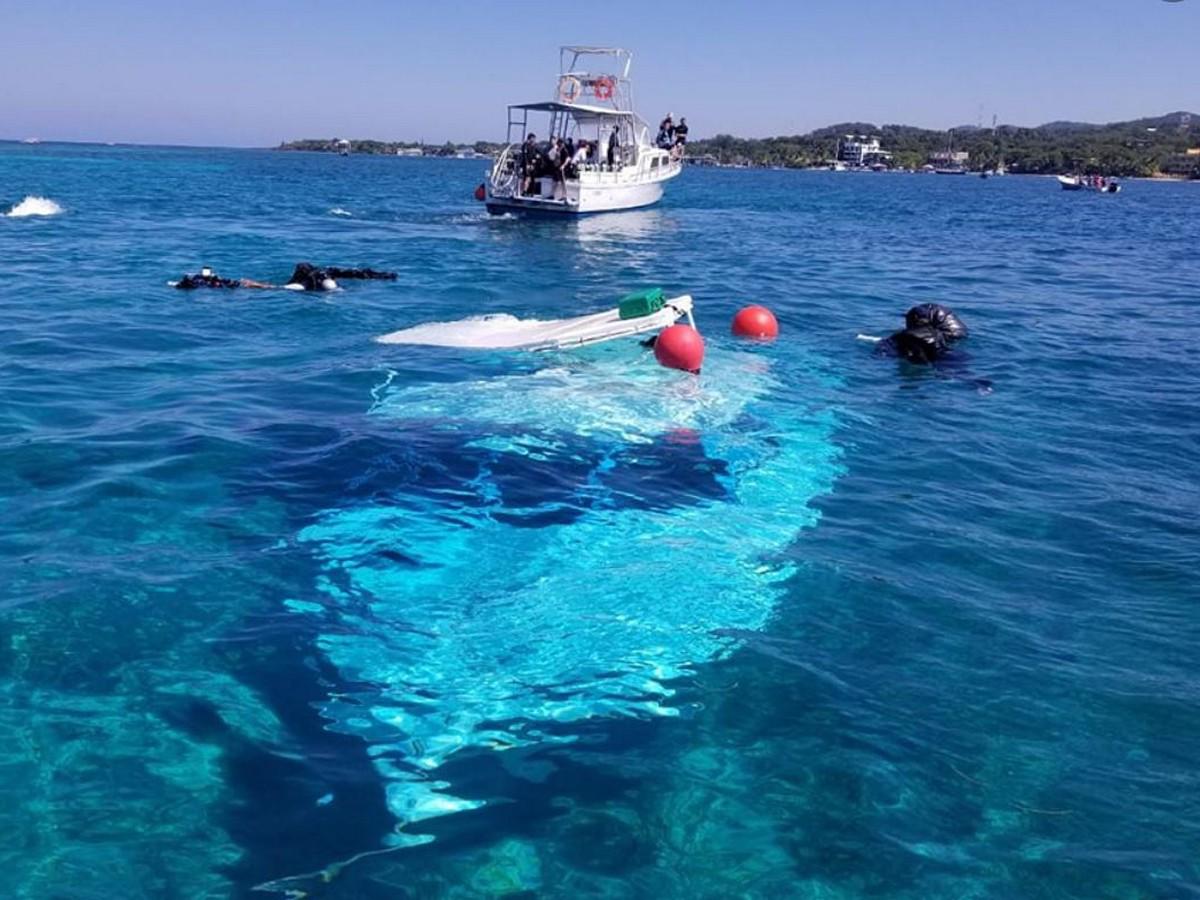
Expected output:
(816, 624)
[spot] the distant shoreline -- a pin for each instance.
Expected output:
(1166, 146)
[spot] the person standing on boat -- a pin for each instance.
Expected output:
(558, 157)
(681, 131)
(575, 158)
(666, 132)
(614, 144)
(582, 154)
(530, 162)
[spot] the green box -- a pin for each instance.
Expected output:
(643, 303)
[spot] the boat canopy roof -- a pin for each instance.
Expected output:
(580, 109)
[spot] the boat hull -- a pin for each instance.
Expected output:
(1074, 184)
(583, 198)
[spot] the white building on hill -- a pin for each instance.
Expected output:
(861, 150)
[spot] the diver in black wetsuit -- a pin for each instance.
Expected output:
(305, 277)
(930, 330)
(313, 278)
(205, 279)
(928, 338)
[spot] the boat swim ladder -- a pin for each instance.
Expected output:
(504, 173)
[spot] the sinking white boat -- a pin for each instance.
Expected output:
(624, 171)
(647, 311)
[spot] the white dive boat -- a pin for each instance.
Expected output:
(624, 171)
(1084, 183)
(637, 314)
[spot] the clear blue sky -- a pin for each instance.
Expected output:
(255, 72)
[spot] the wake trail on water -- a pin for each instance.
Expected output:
(34, 206)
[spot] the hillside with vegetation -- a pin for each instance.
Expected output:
(1142, 147)
(389, 148)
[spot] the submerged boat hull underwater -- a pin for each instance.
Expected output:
(479, 615)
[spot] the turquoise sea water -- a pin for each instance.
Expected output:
(282, 607)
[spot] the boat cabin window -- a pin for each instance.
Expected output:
(654, 163)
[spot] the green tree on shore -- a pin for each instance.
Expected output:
(1143, 147)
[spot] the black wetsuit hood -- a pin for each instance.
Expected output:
(929, 333)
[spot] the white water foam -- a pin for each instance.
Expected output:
(34, 206)
(338, 211)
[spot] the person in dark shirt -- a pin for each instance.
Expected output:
(666, 132)
(614, 145)
(531, 162)
(681, 131)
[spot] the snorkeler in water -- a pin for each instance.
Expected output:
(313, 278)
(305, 277)
(206, 278)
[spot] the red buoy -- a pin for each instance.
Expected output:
(481, 193)
(680, 347)
(755, 322)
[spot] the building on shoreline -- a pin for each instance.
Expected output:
(949, 158)
(859, 151)
(1183, 165)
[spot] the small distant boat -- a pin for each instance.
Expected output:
(343, 147)
(1082, 183)
(32, 141)
(837, 166)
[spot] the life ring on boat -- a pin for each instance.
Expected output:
(569, 89)
(603, 88)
